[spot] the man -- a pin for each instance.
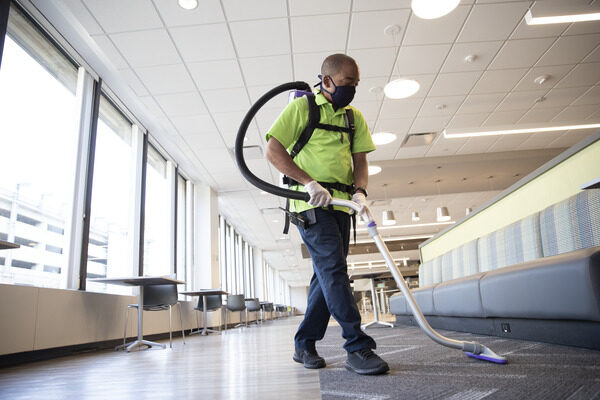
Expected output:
(328, 158)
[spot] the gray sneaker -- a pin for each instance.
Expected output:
(365, 362)
(310, 358)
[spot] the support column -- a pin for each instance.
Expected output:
(206, 238)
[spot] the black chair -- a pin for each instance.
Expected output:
(159, 298)
(214, 302)
(252, 305)
(235, 302)
(266, 308)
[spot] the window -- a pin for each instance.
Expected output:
(157, 225)
(110, 244)
(39, 141)
(184, 271)
(236, 261)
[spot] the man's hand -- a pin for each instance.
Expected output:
(361, 200)
(319, 196)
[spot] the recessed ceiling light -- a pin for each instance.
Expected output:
(401, 88)
(188, 4)
(431, 9)
(374, 169)
(449, 133)
(381, 138)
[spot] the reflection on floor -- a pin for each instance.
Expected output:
(246, 363)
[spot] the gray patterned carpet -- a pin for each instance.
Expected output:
(421, 369)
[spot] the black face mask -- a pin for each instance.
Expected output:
(341, 96)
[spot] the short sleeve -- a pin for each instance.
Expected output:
(363, 143)
(290, 123)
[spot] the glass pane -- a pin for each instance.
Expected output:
(110, 246)
(182, 270)
(157, 225)
(37, 155)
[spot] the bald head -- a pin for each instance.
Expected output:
(334, 63)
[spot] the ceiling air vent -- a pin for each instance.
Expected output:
(253, 152)
(418, 139)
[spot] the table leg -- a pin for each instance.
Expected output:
(204, 333)
(140, 340)
(375, 311)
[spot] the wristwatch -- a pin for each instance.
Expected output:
(361, 189)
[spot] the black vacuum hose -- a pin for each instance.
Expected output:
(239, 143)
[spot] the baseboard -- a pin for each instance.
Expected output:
(584, 334)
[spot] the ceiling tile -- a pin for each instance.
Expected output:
(216, 46)
(561, 97)
(484, 52)
(250, 37)
(152, 106)
(196, 125)
(278, 102)
(508, 143)
(369, 5)
(318, 7)
(592, 96)
(569, 50)
(521, 101)
(411, 152)
(237, 10)
(111, 52)
(374, 62)
(146, 48)
(164, 79)
(576, 113)
(445, 147)
(367, 28)
(216, 74)
(133, 82)
(476, 145)
(307, 39)
(582, 75)
(553, 73)
(82, 14)
(399, 126)
(525, 31)
(429, 124)
(441, 30)
(520, 53)
(120, 16)
(498, 81)
(230, 122)
(492, 21)
(307, 66)
(454, 83)
(478, 103)
(468, 120)
(207, 12)
(425, 59)
(501, 118)
(594, 56)
(267, 70)
(181, 104)
(385, 152)
(539, 140)
(540, 115)
(439, 106)
(226, 100)
(571, 138)
(582, 28)
(403, 108)
(369, 109)
(370, 89)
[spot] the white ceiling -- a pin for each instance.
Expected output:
(197, 72)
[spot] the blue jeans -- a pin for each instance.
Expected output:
(330, 293)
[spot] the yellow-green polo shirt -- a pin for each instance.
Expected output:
(326, 157)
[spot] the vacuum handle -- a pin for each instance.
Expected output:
(239, 143)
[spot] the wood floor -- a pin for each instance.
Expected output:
(247, 363)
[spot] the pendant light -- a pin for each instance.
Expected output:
(431, 9)
(442, 214)
(415, 216)
(388, 215)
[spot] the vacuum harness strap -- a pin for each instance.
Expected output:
(314, 118)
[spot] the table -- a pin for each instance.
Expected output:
(8, 245)
(371, 276)
(203, 293)
(140, 281)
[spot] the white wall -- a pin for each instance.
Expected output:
(299, 295)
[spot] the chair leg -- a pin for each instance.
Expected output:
(125, 329)
(181, 322)
(170, 330)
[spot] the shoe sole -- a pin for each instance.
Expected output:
(309, 366)
(375, 371)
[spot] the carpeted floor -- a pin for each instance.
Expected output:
(422, 369)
